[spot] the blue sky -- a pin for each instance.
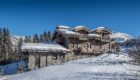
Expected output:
(26, 17)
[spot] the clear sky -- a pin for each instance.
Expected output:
(26, 17)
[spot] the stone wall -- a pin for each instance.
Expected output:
(47, 60)
(31, 62)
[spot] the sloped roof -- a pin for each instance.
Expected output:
(42, 47)
(67, 32)
(77, 28)
(100, 29)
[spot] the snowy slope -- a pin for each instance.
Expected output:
(103, 67)
(121, 37)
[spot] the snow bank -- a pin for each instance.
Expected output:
(104, 67)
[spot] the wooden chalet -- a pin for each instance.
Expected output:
(82, 40)
(71, 43)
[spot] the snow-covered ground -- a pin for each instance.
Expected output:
(103, 67)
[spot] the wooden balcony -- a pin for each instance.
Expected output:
(86, 37)
(105, 39)
(83, 37)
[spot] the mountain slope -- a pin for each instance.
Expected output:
(103, 67)
(121, 37)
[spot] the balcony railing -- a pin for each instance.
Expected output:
(83, 37)
(86, 37)
(105, 39)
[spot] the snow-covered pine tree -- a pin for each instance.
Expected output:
(6, 50)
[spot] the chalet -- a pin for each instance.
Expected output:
(82, 40)
(71, 43)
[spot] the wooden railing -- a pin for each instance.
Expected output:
(83, 37)
(86, 37)
(105, 39)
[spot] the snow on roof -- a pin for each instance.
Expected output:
(101, 27)
(67, 32)
(79, 27)
(41, 47)
(63, 27)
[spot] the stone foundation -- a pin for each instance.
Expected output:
(47, 60)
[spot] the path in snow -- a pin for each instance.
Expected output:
(103, 67)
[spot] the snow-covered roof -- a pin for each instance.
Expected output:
(63, 27)
(77, 27)
(67, 32)
(80, 27)
(99, 29)
(41, 47)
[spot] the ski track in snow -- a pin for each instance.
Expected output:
(103, 67)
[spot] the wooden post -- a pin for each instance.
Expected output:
(46, 61)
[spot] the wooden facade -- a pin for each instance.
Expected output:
(83, 41)
(71, 44)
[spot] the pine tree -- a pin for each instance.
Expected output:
(9, 44)
(49, 35)
(35, 39)
(41, 38)
(19, 44)
(19, 47)
(29, 39)
(45, 36)
(1, 36)
(6, 47)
